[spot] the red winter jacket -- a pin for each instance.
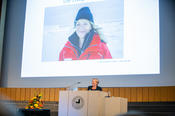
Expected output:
(93, 48)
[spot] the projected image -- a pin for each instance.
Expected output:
(90, 37)
(83, 32)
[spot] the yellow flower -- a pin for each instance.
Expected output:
(36, 105)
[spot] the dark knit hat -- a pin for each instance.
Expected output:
(84, 13)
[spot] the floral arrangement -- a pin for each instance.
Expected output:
(35, 103)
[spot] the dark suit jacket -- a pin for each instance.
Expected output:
(97, 89)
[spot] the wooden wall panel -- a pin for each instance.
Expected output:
(27, 93)
(56, 94)
(8, 93)
(171, 94)
(110, 91)
(105, 89)
(151, 94)
(52, 94)
(41, 91)
(163, 94)
(173, 91)
(32, 93)
(133, 94)
(13, 94)
(127, 93)
(23, 94)
(139, 94)
(18, 94)
(116, 92)
(46, 94)
(122, 92)
(157, 94)
(3, 91)
(145, 97)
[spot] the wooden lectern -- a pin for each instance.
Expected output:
(89, 103)
(115, 105)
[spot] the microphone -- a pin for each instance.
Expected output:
(109, 94)
(73, 87)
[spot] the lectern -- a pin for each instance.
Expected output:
(115, 105)
(88, 103)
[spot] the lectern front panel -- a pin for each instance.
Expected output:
(96, 103)
(77, 103)
(90, 103)
(63, 103)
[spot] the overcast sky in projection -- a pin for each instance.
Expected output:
(102, 11)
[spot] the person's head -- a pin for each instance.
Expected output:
(95, 82)
(83, 22)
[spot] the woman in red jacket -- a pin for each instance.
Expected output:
(85, 42)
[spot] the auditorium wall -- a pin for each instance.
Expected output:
(13, 45)
(133, 94)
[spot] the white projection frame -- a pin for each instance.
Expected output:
(141, 43)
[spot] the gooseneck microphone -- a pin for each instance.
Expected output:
(73, 86)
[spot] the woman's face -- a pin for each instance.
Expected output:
(83, 27)
(94, 82)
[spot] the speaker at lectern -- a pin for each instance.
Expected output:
(90, 103)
